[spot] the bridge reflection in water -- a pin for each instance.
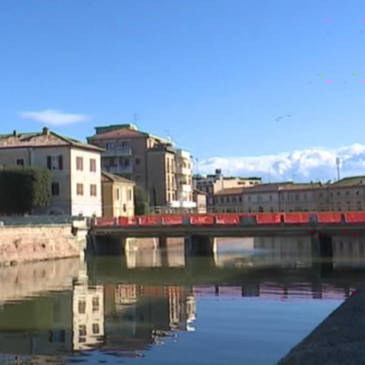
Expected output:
(122, 306)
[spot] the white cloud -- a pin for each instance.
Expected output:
(314, 164)
(54, 117)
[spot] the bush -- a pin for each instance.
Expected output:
(23, 189)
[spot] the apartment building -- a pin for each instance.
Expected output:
(117, 195)
(75, 166)
(212, 184)
(152, 162)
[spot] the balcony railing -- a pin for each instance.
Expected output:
(121, 151)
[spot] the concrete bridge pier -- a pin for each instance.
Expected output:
(107, 245)
(322, 253)
(164, 256)
(162, 242)
(196, 245)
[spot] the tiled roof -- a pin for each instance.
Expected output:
(41, 139)
(115, 178)
(125, 132)
(118, 133)
(268, 187)
(305, 186)
(230, 191)
(350, 181)
(199, 192)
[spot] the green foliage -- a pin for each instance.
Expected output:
(141, 201)
(24, 188)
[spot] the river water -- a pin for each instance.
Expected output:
(249, 304)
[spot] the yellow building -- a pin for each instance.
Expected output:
(75, 167)
(117, 196)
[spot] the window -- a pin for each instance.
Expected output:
(55, 162)
(92, 165)
(20, 161)
(138, 161)
(95, 304)
(82, 307)
(96, 328)
(79, 164)
(125, 207)
(93, 190)
(117, 194)
(82, 330)
(80, 189)
(55, 189)
(130, 195)
(109, 145)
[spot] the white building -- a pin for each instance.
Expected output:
(88, 314)
(75, 166)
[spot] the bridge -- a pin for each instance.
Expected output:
(200, 230)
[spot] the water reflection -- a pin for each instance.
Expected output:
(67, 310)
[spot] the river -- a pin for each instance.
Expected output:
(249, 304)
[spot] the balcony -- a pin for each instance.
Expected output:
(115, 152)
(181, 204)
(185, 188)
(119, 169)
(183, 171)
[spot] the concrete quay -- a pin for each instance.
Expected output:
(338, 340)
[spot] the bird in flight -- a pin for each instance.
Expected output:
(286, 115)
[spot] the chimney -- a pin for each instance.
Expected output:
(45, 131)
(15, 133)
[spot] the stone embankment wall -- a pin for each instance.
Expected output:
(26, 239)
(338, 340)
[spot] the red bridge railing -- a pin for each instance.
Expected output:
(235, 219)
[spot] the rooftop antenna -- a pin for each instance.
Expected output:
(338, 163)
(135, 118)
(169, 137)
(197, 165)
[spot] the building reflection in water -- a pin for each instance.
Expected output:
(117, 318)
(348, 251)
(126, 318)
(136, 314)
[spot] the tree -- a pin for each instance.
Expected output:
(141, 201)
(23, 189)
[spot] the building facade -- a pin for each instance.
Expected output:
(214, 184)
(344, 195)
(152, 162)
(75, 167)
(117, 195)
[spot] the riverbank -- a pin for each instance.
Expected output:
(338, 340)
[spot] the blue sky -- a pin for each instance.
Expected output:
(214, 74)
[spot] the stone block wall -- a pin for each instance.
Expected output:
(35, 243)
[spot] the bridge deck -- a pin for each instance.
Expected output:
(228, 231)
